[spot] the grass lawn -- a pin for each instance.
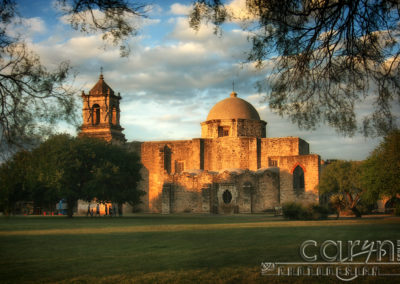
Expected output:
(171, 248)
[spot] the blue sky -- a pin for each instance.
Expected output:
(173, 76)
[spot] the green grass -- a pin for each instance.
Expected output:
(169, 248)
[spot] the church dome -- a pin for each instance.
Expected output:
(233, 108)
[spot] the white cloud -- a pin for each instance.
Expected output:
(34, 25)
(26, 27)
(180, 9)
(89, 19)
(238, 11)
(153, 10)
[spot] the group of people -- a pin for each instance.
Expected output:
(110, 210)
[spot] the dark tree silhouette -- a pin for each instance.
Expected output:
(111, 17)
(328, 56)
(381, 170)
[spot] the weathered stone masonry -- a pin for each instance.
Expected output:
(233, 155)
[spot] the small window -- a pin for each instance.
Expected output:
(227, 197)
(223, 131)
(272, 163)
(167, 159)
(114, 116)
(179, 166)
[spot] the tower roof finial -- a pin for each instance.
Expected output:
(101, 73)
(233, 94)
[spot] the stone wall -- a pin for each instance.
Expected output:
(311, 168)
(286, 146)
(202, 192)
(267, 194)
(163, 159)
(187, 192)
(251, 128)
(236, 127)
(229, 153)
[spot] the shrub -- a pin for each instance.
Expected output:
(366, 207)
(292, 210)
(296, 211)
(319, 212)
(397, 210)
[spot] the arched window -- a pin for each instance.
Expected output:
(298, 180)
(96, 114)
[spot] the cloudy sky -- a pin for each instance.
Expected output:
(173, 76)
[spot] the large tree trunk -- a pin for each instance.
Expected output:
(353, 204)
(356, 212)
(119, 209)
(337, 213)
(70, 210)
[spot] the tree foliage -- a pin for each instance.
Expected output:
(343, 178)
(70, 168)
(113, 18)
(381, 170)
(328, 56)
(14, 181)
(32, 98)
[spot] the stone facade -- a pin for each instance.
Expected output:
(233, 156)
(192, 165)
(239, 191)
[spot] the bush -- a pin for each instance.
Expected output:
(319, 212)
(292, 210)
(397, 210)
(296, 211)
(366, 207)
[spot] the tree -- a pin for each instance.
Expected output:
(328, 56)
(86, 168)
(32, 98)
(116, 176)
(337, 202)
(14, 181)
(343, 178)
(381, 170)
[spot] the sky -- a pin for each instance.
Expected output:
(173, 76)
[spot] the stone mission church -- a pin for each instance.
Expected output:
(232, 168)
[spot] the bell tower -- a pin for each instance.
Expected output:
(101, 113)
